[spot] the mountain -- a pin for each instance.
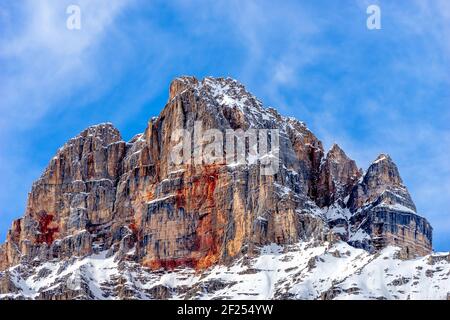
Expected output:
(218, 190)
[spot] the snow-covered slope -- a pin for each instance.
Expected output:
(301, 271)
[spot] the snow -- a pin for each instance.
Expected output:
(100, 180)
(300, 271)
(133, 154)
(228, 93)
(176, 171)
(224, 92)
(346, 199)
(161, 199)
(96, 267)
(391, 278)
(283, 191)
(335, 212)
(359, 236)
(339, 230)
(234, 164)
(396, 207)
(379, 159)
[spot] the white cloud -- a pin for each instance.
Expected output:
(47, 61)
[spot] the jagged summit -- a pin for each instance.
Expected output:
(335, 148)
(102, 130)
(226, 98)
(180, 84)
(102, 197)
(383, 171)
(382, 157)
(218, 87)
(381, 183)
(336, 152)
(103, 133)
(338, 174)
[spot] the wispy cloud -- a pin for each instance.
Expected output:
(46, 61)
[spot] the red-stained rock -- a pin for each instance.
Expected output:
(47, 229)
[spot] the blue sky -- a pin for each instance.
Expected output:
(370, 91)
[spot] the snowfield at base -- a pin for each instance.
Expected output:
(302, 271)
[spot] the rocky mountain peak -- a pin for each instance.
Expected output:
(106, 130)
(81, 156)
(376, 203)
(93, 137)
(382, 157)
(336, 154)
(382, 206)
(336, 151)
(226, 99)
(338, 175)
(383, 172)
(237, 103)
(382, 184)
(180, 84)
(100, 195)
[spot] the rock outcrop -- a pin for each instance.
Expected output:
(136, 200)
(75, 194)
(338, 175)
(382, 208)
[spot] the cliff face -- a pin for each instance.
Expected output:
(201, 212)
(137, 200)
(75, 193)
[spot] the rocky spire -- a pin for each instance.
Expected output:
(338, 174)
(384, 212)
(382, 183)
(383, 171)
